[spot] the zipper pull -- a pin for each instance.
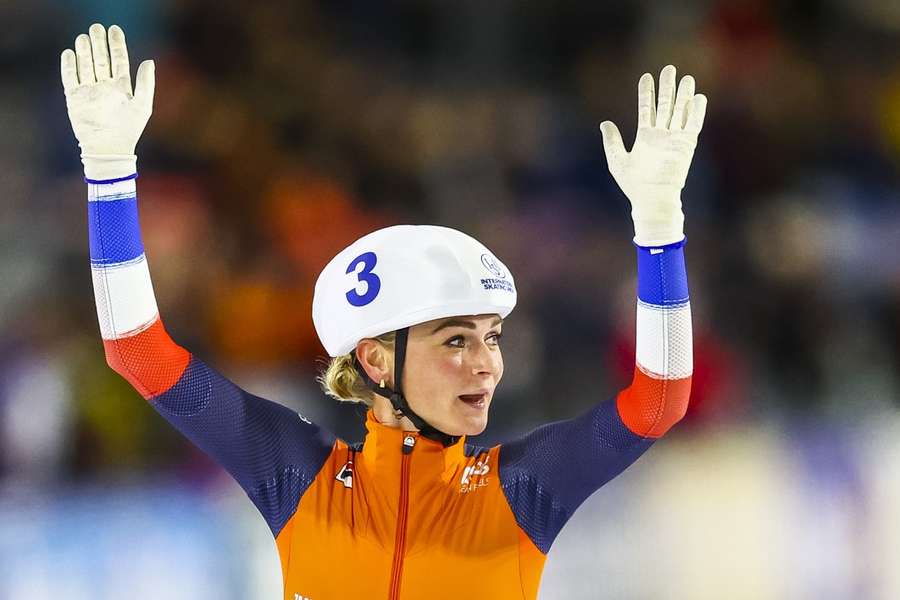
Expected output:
(408, 443)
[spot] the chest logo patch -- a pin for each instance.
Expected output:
(345, 474)
(475, 476)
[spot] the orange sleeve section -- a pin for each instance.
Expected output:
(283, 542)
(531, 565)
(150, 360)
(649, 407)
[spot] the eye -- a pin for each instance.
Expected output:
(459, 341)
(452, 342)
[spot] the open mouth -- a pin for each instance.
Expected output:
(474, 400)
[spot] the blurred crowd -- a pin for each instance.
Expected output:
(284, 130)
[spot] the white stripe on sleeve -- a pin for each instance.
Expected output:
(125, 300)
(664, 341)
(112, 191)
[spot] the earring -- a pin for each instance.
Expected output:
(382, 383)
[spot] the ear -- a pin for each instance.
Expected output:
(377, 360)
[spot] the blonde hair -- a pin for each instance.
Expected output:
(343, 382)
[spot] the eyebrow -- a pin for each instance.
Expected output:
(462, 323)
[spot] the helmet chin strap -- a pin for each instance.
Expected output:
(398, 401)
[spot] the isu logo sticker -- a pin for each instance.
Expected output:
(498, 281)
(493, 265)
(474, 476)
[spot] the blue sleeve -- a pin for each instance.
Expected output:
(273, 452)
(549, 472)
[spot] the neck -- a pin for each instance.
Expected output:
(384, 412)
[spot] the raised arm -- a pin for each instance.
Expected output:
(273, 452)
(548, 473)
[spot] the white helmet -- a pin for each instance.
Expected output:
(403, 275)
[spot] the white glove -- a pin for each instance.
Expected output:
(653, 173)
(106, 117)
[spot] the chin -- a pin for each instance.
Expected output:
(473, 425)
(461, 420)
(477, 430)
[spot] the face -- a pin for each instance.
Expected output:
(452, 368)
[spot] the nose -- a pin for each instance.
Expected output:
(484, 359)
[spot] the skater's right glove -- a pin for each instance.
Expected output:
(106, 116)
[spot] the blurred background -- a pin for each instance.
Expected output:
(283, 130)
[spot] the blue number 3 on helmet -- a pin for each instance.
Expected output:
(404, 275)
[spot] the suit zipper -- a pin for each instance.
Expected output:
(409, 441)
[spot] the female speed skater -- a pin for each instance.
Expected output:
(412, 318)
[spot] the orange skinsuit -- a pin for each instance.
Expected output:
(431, 523)
(398, 516)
